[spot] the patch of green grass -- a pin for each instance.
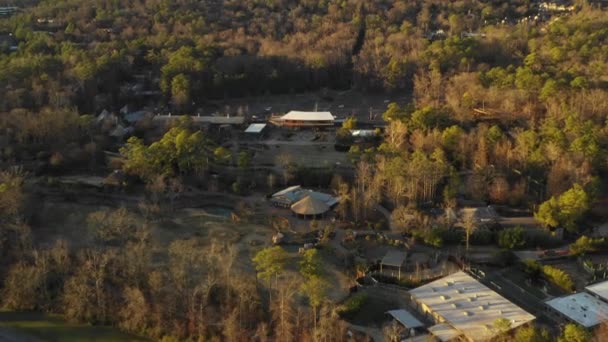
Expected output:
(53, 328)
(352, 305)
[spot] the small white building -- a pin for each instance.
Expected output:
(255, 128)
(363, 133)
(581, 308)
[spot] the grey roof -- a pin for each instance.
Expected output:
(582, 308)
(405, 318)
(394, 258)
(481, 214)
(295, 193)
(444, 332)
(326, 198)
(287, 190)
(135, 116)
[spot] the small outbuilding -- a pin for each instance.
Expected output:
(286, 197)
(600, 290)
(405, 318)
(393, 261)
(255, 128)
(134, 117)
(581, 308)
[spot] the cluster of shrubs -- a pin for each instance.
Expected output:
(511, 238)
(352, 305)
(554, 275)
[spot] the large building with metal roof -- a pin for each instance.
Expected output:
(463, 307)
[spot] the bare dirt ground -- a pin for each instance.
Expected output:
(318, 155)
(305, 148)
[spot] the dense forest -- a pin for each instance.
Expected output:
(509, 94)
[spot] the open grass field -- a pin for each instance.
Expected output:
(33, 326)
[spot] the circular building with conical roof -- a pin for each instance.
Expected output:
(310, 206)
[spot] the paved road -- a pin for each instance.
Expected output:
(525, 221)
(498, 282)
(10, 335)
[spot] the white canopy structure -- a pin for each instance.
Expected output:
(255, 128)
(304, 119)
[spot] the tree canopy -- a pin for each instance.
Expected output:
(564, 210)
(179, 151)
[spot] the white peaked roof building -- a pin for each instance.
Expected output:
(461, 305)
(308, 116)
(304, 119)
